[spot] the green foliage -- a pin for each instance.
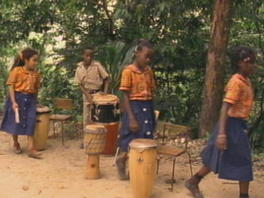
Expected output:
(179, 30)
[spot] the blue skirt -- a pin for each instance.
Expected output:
(235, 162)
(144, 114)
(27, 115)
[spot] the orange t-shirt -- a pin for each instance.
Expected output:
(239, 93)
(24, 81)
(139, 84)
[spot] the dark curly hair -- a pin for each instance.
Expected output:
(240, 53)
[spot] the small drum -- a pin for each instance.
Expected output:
(142, 165)
(94, 142)
(94, 139)
(105, 108)
(42, 127)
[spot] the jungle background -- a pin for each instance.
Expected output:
(180, 31)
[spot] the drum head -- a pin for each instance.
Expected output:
(143, 143)
(104, 99)
(95, 128)
(43, 109)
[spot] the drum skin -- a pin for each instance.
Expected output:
(142, 167)
(42, 128)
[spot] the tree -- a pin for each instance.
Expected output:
(215, 70)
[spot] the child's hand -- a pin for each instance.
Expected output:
(89, 98)
(133, 125)
(14, 106)
(221, 142)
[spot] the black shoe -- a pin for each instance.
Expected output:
(194, 189)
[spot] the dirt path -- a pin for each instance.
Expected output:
(61, 175)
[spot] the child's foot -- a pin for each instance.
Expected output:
(17, 149)
(34, 154)
(194, 189)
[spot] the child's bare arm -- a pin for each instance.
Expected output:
(85, 92)
(133, 124)
(221, 141)
(12, 97)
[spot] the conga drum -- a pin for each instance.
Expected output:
(142, 166)
(105, 111)
(94, 143)
(42, 127)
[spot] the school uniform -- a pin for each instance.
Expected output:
(26, 84)
(140, 86)
(235, 162)
(92, 79)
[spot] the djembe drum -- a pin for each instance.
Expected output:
(94, 143)
(105, 111)
(42, 127)
(142, 166)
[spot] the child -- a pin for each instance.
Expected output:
(92, 77)
(228, 150)
(137, 83)
(23, 83)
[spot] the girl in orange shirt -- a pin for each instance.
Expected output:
(20, 110)
(137, 84)
(228, 151)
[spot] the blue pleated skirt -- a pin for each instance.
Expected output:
(235, 162)
(27, 115)
(144, 113)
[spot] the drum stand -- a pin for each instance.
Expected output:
(92, 170)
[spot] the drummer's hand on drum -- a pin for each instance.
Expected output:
(133, 125)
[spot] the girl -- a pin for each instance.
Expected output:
(23, 83)
(228, 150)
(137, 83)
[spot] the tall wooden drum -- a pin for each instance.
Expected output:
(42, 127)
(94, 143)
(142, 166)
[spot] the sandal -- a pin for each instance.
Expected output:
(194, 189)
(17, 149)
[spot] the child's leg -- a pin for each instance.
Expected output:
(17, 147)
(31, 148)
(196, 179)
(30, 143)
(15, 140)
(121, 165)
(243, 189)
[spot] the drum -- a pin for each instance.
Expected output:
(94, 139)
(94, 142)
(42, 127)
(111, 137)
(105, 108)
(142, 165)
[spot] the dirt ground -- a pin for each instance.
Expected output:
(61, 175)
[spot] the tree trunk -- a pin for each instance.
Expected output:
(215, 70)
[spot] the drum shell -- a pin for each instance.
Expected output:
(42, 128)
(142, 168)
(111, 137)
(94, 143)
(105, 113)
